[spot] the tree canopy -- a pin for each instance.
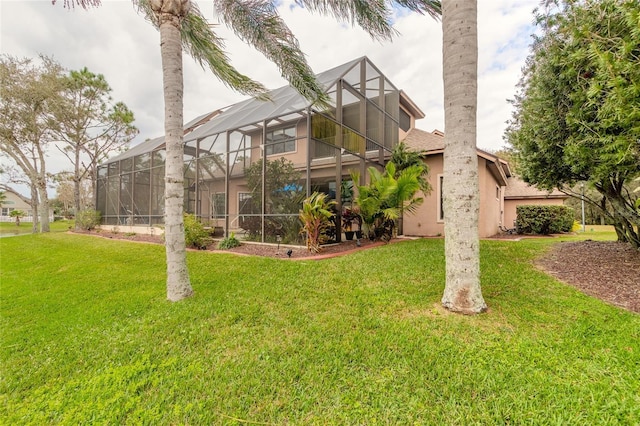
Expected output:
(577, 114)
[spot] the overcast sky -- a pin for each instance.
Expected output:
(114, 40)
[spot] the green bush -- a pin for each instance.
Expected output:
(88, 219)
(195, 235)
(544, 220)
(229, 242)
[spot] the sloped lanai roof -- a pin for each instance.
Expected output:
(249, 114)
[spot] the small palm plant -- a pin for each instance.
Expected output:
(316, 217)
(17, 214)
(386, 197)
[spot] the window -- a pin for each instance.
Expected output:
(405, 120)
(280, 141)
(245, 204)
(218, 205)
(497, 192)
(440, 199)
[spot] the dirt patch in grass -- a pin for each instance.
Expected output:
(604, 269)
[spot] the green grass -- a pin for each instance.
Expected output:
(88, 338)
(10, 228)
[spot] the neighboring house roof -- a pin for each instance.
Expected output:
(519, 189)
(421, 140)
(17, 194)
(433, 143)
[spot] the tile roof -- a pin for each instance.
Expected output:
(517, 188)
(421, 140)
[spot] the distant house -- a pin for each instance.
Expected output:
(15, 201)
(518, 193)
(500, 191)
(248, 167)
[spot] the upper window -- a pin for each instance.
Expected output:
(280, 141)
(405, 120)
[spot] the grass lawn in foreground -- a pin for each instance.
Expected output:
(88, 337)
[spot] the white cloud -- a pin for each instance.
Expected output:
(116, 41)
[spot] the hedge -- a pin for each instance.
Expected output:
(544, 219)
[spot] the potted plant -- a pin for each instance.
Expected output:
(349, 218)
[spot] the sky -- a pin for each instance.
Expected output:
(116, 41)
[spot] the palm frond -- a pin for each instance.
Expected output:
(257, 22)
(85, 4)
(207, 49)
(432, 8)
(372, 16)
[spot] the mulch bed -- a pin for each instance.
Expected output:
(257, 249)
(604, 269)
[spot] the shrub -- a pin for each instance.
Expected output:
(316, 215)
(544, 219)
(229, 242)
(194, 233)
(88, 219)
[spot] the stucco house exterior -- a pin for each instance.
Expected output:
(15, 201)
(500, 191)
(248, 167)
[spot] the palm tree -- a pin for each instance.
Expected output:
(462, 291)
(257, 22)
(387, 196)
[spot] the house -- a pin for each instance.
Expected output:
(14, 201)
(248, 167)
(500, 191)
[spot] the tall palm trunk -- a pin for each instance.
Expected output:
(461, 188)
(170, 13)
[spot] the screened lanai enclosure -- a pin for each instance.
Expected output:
(247, 168)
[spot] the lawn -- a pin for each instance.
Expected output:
(88, 338)
(10, 228)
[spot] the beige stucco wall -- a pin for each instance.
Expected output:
(425, 222)
(490, 201)
(511, 204)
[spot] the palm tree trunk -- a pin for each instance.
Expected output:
(178, 284)
(462, 291)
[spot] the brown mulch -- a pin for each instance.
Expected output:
(256, 249)
(607, 270)
(604, 269)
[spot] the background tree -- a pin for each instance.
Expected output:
(91, 127)
(284, 194)
(462, 291)
(29, 92)
(257, 23)
(577, 112)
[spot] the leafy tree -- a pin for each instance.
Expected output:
(90, 125)
(3, 197)
(462, 291)
(577, 113)
(284, 194)
(257, 22)
(29, 93)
